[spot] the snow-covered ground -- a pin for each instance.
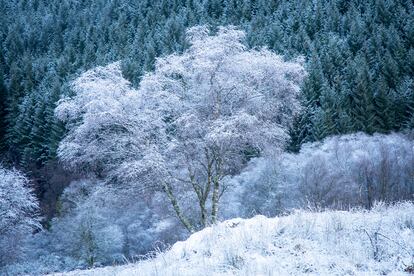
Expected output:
(376, 242)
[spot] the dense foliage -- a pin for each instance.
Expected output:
(103, 224)
(18, 214)
(198, 118)
(184, 117)
(337, 173)
(360, 55)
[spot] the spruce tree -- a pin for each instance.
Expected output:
(362, 108)
(3, 108)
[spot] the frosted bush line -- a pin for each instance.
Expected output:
(376, 242)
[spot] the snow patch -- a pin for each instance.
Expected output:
(376, 242)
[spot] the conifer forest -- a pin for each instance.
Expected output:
(129, 125)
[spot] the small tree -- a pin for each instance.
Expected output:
(18, 214)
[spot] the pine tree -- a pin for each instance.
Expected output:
(390, 70)
(3, 108)
(362, 109)
(405, 103)
(384, 111)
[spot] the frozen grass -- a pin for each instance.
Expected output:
(376, 242)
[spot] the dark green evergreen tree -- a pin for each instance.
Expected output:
(361, 105)
(3, 99)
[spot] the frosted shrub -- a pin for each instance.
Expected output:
(102, 225)
(339, 172)
(357, 169)
(18, 214)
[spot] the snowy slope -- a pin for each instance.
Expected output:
(378, 242)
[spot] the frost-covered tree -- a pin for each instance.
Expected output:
(18, 214)
(340, 172)
(106, 124)
(99, 224)
(267, 186)
(222, 105)
(357, 169)
(82, 231)
(199, 117)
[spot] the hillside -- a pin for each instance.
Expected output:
(128, 126)
(376, 242)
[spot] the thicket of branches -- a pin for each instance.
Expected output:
(341, 172)
(19, 215)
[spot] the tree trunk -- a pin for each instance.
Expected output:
(177, 209)
(203, 211)
(215, 201)
(370, 191)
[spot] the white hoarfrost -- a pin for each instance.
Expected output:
(196, 119)
(18, 214)
(376, 242)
